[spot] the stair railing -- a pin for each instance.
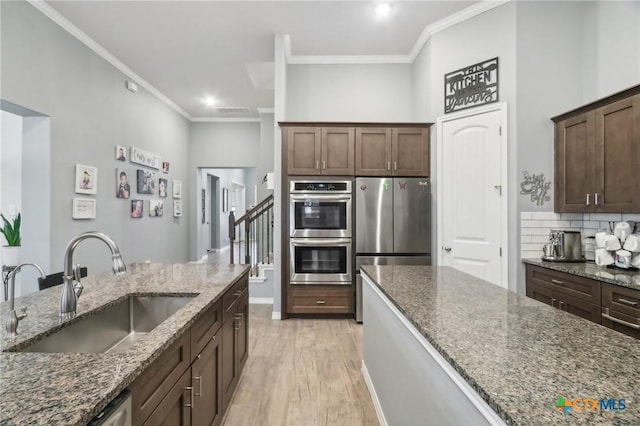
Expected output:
(253, 235)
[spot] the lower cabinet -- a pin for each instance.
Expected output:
(189, 383)
(577, 295)
(613, 306)
(621, 309)
(319, 299)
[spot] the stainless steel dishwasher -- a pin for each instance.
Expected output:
(117, 413)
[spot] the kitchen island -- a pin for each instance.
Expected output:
(518, 356)
(71, 388)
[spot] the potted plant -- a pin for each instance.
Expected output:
(11, 232)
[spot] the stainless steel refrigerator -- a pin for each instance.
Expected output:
(393, 224)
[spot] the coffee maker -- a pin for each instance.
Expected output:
(563, 246)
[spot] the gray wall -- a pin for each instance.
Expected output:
(373, 92)
(219, 145)
(47, 70)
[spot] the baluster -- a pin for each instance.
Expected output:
(232, 231)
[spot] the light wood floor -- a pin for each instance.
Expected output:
(301, 372)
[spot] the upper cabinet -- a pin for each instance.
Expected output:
(402, 151)
(597, 156)
(320, 151)
(348, 149)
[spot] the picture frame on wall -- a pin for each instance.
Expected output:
(177, 189)
(162, 187)
(177, 208)
(86, 179)
(123, 188)
(165, 167)
(156, 208)
(145, 183)
(121, 153)
(83, 208)
(137, 209)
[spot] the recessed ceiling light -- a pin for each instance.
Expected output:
(383, 9)
(209, 101)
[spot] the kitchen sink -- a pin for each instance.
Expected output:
(114, 329)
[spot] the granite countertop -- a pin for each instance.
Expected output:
(617, 276)
(71, 388)
(520, 355)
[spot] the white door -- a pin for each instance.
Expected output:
(470, 196)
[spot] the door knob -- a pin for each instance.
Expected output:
(447, 249)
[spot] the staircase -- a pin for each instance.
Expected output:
(251, 238)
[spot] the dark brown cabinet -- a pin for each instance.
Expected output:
(576, 295)
(621, 309)
(186, 384)
(400, 151)
(235, 343)
(320, 151)
(317, 299)
(597, 156)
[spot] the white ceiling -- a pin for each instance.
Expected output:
(188, 50)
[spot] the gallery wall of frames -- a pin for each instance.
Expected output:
(145, 183)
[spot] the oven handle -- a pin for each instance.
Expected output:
(320, 242)
(311, 196)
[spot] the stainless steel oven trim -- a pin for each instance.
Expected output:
(321, 233)
(346, 278)
(292, 189)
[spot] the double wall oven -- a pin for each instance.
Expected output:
(320, 230)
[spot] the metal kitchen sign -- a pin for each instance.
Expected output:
(471, 86)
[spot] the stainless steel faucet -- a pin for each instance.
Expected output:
(72, 288)
(12, 318)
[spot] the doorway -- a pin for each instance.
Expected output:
(472, 193)
(213, 189)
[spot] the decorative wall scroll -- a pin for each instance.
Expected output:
(145, 158)
(471, 86)
(535, 186)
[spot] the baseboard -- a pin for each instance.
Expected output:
(261, 300)
(374, 395)
(276, 315)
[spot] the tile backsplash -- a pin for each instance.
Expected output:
(535, 228)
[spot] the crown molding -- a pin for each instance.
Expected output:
(430, 30)
(452, 20)
(265, 110)
(56, 17)
(225, 120)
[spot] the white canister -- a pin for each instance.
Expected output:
(623, 259)
(612, 243)
(601, 236)
(635, 262)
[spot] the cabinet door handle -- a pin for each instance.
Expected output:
(388, 165)
(395, 165)
(588, 203)
(557, 282)
(560, 302)
(606, 315)
(628, 302)
(317, 164)
(237, 293)
(199, 379)
(552, 302)
(596, 197)
(320, 302)
(324, 164)
(190, 389)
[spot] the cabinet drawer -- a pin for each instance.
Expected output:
(157, 380)
(621, 299)
(627, 324)
(203, 330)
(232, 295)
(321, 300)
(571, 285)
